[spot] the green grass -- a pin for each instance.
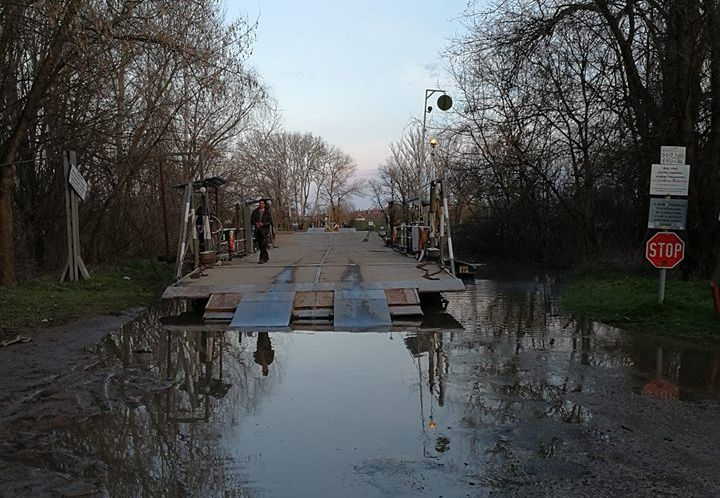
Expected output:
(110, 290)
(630, 302)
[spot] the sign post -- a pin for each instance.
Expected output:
(665, 250)
(661, 285)
(75, 190)
(671, 177)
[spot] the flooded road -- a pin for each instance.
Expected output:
(522, 400)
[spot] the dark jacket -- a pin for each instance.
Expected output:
(265, 219)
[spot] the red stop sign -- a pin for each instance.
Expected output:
(665, 250)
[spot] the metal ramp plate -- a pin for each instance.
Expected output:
(260, 311)
(361, 309)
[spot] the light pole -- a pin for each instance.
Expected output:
(444, 103)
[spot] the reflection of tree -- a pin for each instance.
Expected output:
(159, 441)
(519, 361)
(195, 363)
(522, 366)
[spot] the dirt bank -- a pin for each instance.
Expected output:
(55, 381)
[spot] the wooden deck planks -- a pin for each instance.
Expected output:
(317, 263)
(223, 302)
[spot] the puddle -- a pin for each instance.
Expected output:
(524, 401)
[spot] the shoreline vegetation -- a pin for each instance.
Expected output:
(45, 301)
(630, 302)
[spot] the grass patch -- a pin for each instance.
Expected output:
(630, 302)
(111, 289)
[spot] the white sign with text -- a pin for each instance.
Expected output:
(672, 155)
(669, 179)
(77, 182)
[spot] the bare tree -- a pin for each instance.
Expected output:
(127, 85)
(339, 185)
(564, 106)
(19, 111)
(300, 171)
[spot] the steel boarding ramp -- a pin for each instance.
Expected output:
(361, 309)
(264, 311)
(353, 310)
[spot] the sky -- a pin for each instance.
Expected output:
(352, 72)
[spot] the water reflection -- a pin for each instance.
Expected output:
(659, 387)
(691, 371)
(195, 364)
(516, 318)
(264, 353)
(167, 441)
(526, 400)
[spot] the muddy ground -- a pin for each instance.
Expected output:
(54, 381)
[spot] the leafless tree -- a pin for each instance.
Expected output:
(339, 185)
(302, 173)
(564, 106)
(128, 85)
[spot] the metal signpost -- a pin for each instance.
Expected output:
(75, 190)
(665, 250)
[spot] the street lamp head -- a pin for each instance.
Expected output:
(433, 142)
(444, 102)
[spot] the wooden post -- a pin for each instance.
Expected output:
(74, 268)
(193, 229)
(451, 254)
(69, 270)
(163, 204)
(185, 216)
(237, 217)
(248, 233)
(207, 235)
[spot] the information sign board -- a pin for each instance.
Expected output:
(668, 213)
(672, 155)
(669, 179)
(77, 182)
